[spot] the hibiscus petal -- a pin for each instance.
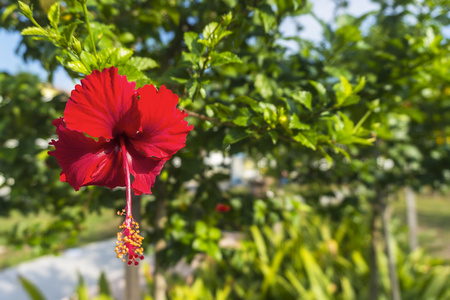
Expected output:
(164, 129)
(144, 170)
(85, 161)
(104, 105)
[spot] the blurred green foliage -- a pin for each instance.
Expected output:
(305, 256)
(309, 257)
(365, 110)
(81, 290)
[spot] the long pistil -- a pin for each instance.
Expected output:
(129, 242)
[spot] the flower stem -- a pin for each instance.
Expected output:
(83, 4)
(363, 119)
(127, 178)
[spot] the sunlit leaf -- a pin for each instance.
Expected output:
(34, 31)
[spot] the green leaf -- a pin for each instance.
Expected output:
(222, 34)
(8, 11)
(53, 15)
(346, 86)
(121, 56)
(438, 283)
(337, 71)
(350, 100)
(358, 140)
(191, 41)
(374, 104)
(249, 101)
(143, 63)
(358, 260)
(209, 110)
(214, 251)
(360, 85)
(325, 154)
(218, 59)
(263, 86)
(307, 138)
(296, 283)
(227, 19)
(242, 121)
(221, 111)
(142, 81)
(347, 289)
(269, 112)
(202, 92)
(67, 32)
(192, 86)
(25, 10)
(82, 289)
(131, 72)
(192, 59)
(260, 244)
(199, 244)
(209, 30)
(104, 285)
(319, 282)
(303, 97)
(32, 290)
(341, 151)
(234, 135)
(105, 57)
(201, 229)
(322, 92)
(89, 61)
(349, 34)
(34, 31)
(178, 75)
(345, 95)
(77, 66)
(347, 122)
(274, 136)
(76, 45)
(296, 124)
(268, 20)
(174, 14)
(214, 233)
(127, 38)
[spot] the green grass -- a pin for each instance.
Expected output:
(433, 216)
(97, 227)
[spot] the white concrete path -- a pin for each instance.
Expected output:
(57, 276)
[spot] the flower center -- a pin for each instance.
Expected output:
(129, 242)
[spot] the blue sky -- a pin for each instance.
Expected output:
(324, 10)
(13, 63)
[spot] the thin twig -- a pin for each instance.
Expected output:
(210, 119)
(201, 117)
(86, 15)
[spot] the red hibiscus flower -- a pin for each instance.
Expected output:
(222, 208)
(111, 130)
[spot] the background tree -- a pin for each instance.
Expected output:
(404, 58)
(245, 92)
